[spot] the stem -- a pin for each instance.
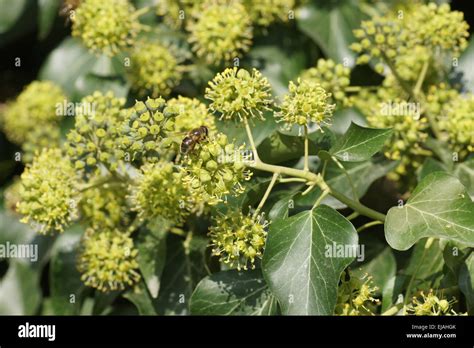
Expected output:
(401, 81)
(421, 78)
(392, 310)
(252, 142)
(320, 198)
(428, 243)
(360, 208)
(368, 225)
(352, 216)
(306, 149)
(285, 180)
(346, 173)
(267, 193)
(311, 177)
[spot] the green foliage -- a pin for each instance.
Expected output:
(234, 157)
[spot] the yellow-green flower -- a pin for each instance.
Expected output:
(381, 37)
(36, 106)
(238, 239)
(176, 13)
(438, 27)
(238, 93)
(104, 206)
(145, 130)
(356, 296)
(154, 69)
(106, 26)
(334, 78)
(48, 193)
(191, 114)
(220, 31)
(108, 260)
(93, 141)
(306, 103)
(265, 12)
(214, 169)
(160, 191)
(458, 123)
(46, 135)
(430, 304)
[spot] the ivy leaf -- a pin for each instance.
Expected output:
(151, 258)
(439, 207)
(11, 12)
(426, 263)
(466, 281)
(233, 293)
(330, 25)
(297, 265)
(184, 268)
(48, 11)
(465, 172)
(141, 299)
(430, 165)
(65, 280)
(359, 143)
(20, 291)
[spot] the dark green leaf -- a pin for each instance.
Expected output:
(359, 143)
(466, 282)
(140, 297)
(66, 287)
(330, 25)
(233, 293)
(48, 11)
(184, 268)
(20, 292)
(297, 263)
(430, 165)
(439, 207)
(151, 258)
(10, 13)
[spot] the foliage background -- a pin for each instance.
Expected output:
(31, 30)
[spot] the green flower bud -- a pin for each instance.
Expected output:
(36, 105)
(144, 129)
(220, 31)
(356, 296)
(48, 192)
(106, 26)
(108, 260)
(335, 84)
(306, 102)
(210, 170)
(238, 93)
(154, 69)
(191, 114)
(104, 206)
(233, 238)
(265, 12)
(94, 138)
(176, 13)
(160, 191)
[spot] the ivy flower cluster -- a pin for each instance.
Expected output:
(430, 304)
(238, 239)
(106, 26)
(154, 69)
(334, 78)
(237, 93)
(306, 103)
(36, 105)
(108, 260)
(48, 192)
(91, 143)
(214, 169)
(356, 296)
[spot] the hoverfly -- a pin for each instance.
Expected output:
(67, 9)
(195, 136)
